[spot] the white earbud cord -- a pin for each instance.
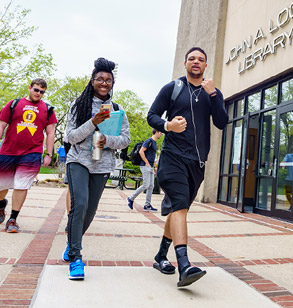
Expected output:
(201, 163)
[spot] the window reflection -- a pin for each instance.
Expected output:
(240, 108)
(223, 188)
(236, 151)
(227, 149)
(267, 143)
(287, 91)
(285, 171)
(254, 102)
(230, 111)
(265, 193)
(270, 97)
(233, 189)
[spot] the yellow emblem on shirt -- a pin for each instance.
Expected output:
(29, 117)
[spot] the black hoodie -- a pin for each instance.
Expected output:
(185, 143)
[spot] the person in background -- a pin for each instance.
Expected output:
(148, 155)
(61, 159)
(22, 149)
(86, 176)
(184, 152)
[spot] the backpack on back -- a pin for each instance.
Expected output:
(178, 87)
(15, 102)
(135, 157)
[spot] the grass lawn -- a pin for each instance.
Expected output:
(48, 170)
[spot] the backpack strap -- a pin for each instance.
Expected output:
(50, 109)
(12, 107)
(151, 143)
(115, 106)
(178, 87)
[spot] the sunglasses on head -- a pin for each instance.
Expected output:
(37, 90)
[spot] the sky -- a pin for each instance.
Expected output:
(138, 35)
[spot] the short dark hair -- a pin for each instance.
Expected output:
(193, 49)
(154, 131)
(39, 81)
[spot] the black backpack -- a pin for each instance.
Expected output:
(135, 157)
(15, 102)
(124, 155)
(67, 147)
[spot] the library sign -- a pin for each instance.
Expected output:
(278, 39)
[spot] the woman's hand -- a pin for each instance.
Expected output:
(102, 142)
(100, 117)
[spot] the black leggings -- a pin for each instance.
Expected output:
(85, 190)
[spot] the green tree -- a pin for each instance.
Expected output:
(61, 94)
(18, 64)
(136, 111)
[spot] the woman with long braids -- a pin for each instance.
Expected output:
(86, 176)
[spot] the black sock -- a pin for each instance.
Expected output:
(183, 262)
(182, 259)
(14, 214)
(164, 247)
(3, 203)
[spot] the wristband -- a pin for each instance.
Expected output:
(165, 126)
(49, 154)
(213, 92)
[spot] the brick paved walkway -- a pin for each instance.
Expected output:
(255, 249)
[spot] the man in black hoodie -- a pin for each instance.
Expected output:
(185, 150)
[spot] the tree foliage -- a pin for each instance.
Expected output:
(61, 94)
(136, 111)
(18, 64)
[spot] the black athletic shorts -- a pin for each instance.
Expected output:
(180, 179)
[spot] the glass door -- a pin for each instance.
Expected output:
(283, 164)
(243, 164)
(266, 171)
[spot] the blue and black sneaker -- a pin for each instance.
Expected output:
(149, 208)
(129, 203)
(76, 269)
(65, 256)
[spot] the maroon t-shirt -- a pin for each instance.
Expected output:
(25, 134)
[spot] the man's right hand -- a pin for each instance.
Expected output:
(100, 117)
(177, 125)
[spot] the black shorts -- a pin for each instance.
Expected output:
(180, 179)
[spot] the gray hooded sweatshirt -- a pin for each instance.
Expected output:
(81, 141)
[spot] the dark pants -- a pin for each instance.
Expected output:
(180, 179)
(85, 190)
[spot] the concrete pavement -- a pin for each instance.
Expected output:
(248, 258)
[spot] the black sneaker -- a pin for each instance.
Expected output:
(149, 208)
(2, 211)
(129, 203)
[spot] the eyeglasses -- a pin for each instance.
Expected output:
(101, 80)
(37, 91)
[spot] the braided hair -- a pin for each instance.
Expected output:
(82, 107)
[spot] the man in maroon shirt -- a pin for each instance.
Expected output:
(22, 148)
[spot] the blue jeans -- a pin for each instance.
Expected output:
(85, 190)
(148, 179)
(62, 163)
